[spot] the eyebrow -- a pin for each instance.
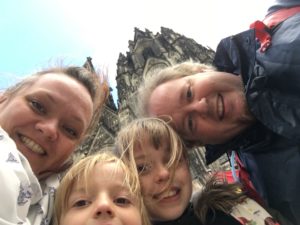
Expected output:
(50, 97)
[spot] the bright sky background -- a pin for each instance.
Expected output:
(35, 33)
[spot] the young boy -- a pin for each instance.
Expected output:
(100, 189)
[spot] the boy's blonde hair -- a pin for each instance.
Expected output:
(157, 132)
(81, 172)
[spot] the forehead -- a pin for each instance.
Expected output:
(56, 80)
(108, 171)
(106, 175)
(146, 146)
(53, 82)
(167, 98)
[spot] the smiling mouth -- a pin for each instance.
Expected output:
(168, 194)
(32, 145)
(220, 107)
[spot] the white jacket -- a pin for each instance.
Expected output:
(24, 200)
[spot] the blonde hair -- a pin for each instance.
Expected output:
(157, 132)
(172, 72)
(81, 172)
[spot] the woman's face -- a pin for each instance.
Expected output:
(47, 120)
(162, 203)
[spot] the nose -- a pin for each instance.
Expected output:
(200, 106)
(162, 174)
(104, 208)
(48, 128)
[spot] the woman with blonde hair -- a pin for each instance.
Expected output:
(43, 119)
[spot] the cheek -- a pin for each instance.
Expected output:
(69, 219)
(184, 173)
(135, 218)
(145, 185)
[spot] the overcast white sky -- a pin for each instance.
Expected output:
(34, 32)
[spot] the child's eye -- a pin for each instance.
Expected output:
(80, 203)
(143, 169)
(37, 106)
(122, 201)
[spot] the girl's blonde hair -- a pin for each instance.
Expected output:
(81, 172)
(155, 131)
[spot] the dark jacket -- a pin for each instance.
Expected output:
(270, 149)
(189, 218)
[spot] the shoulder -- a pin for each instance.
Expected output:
(282, 4)
(7, 144)
(234, 51)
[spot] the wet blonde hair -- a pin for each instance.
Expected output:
(81, 172)
(173, 72)
(157, 132)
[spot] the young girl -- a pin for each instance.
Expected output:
(100, 189)
(150, 146)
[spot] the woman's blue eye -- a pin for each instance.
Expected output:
(38, 107)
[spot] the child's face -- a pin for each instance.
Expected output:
(107, 201)
(162, 204)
